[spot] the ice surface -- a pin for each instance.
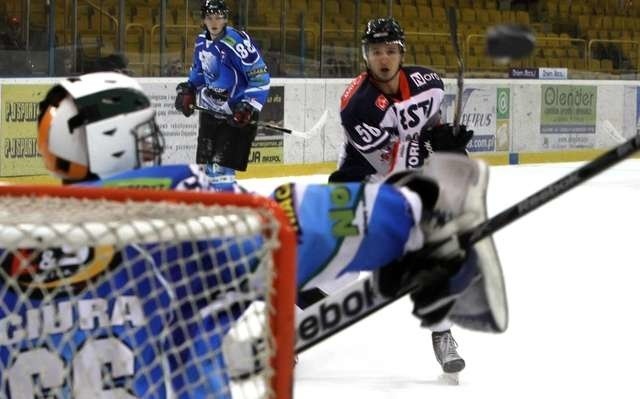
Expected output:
(572, 270)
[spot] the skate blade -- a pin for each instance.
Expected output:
(449, 378)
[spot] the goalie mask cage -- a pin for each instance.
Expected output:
(120, 293)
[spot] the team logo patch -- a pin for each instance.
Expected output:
(285, 196)
(351, 89)
(57, 271)
(420, 79)
(382, 103)
(209, 62)
(158, 183)
(257, 71)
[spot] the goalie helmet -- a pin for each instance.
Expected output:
(208, 7)
(382, 30)
(96, 125)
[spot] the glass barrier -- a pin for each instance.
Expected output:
(312, 38)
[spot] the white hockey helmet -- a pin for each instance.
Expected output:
(96, 125)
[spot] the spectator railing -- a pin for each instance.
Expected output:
(543, 44)
(189, 35)
(145, 43)
(618, 42)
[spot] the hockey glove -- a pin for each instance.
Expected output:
(185, 98)
(243, 113)
(445, 138)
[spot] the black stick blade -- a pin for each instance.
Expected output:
(510, 41)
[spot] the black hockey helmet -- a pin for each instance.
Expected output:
(383, 30)
(218, 7)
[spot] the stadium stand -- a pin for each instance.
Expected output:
(308, 38)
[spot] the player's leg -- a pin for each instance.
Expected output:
(221, 178)
(478, 287)
(481, 303)
(205, 149)
(233, 146)
(445, 347)
(223, 149)
(465, 286)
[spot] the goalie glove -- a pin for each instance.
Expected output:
(445, 138)
(185, 98)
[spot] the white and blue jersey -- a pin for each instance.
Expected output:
(138, 332)
(169, 177)
(341, 228)
(228, 70)
(351, 227)
(153, 315)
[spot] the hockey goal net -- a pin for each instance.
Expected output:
(117, 293)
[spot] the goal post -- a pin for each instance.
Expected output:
(145, 293)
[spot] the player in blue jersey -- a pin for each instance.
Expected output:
(391, 119)
(228, 77)
(411, 219)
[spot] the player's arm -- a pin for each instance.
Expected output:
(341, 226)
(412, 153)
(364, 226)
(196, 75)
(435, 134)
(247, 62)
(186, 91)
(376, 144)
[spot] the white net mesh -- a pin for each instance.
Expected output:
(103, 299)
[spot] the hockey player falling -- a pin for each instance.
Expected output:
(416, 214)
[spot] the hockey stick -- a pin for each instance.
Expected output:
(355, 302)
(302, 134)
(453, 30)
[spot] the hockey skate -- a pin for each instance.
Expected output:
(475, 296)
(445, 349)
(221, 178)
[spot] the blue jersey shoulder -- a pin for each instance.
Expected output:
(241, 46)
(165, 177)
(201, 39)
